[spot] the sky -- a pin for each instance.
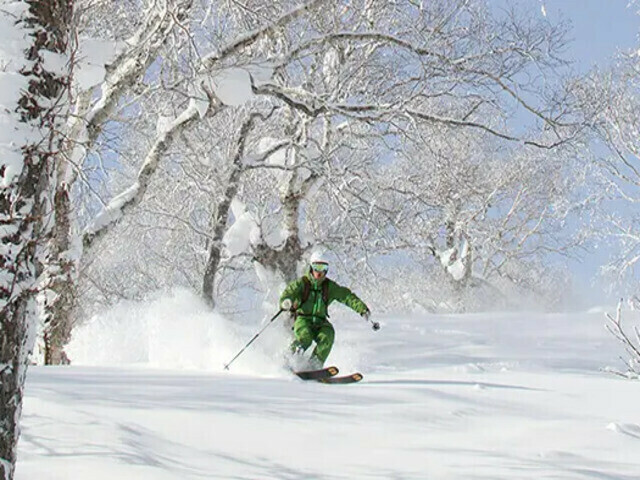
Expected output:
(600, 27)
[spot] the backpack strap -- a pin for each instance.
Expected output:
(306, 290)
(325, 292)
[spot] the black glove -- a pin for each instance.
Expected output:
(367, 316)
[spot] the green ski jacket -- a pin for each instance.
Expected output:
(315, 306)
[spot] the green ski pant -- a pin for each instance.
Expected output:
(307, 330)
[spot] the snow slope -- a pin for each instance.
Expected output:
(491, 396)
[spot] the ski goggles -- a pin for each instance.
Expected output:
(319, 267)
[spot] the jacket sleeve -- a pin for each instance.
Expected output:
(293, 291)
(347, 297)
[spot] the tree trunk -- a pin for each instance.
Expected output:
(221, 219)
(220, 228)
(61, 263)
(58, 312)
(25, 202)
(285, 259)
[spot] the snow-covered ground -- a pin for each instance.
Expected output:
(483, 396)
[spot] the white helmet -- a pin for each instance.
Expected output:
(319, 262)
(318, 257)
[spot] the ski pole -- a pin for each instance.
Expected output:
(226, 367)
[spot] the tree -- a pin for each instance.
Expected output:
(187, 74)
(456, 70)
(629, 338)
(204, 92)
(466, 209)
(614, 96)
(40, 68)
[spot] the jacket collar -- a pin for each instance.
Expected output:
(314, 282)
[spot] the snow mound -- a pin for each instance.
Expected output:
(243, 233)
(93, 56)
(233, 86)
(174, 330)
(630, 429)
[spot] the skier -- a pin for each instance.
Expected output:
(309, 298)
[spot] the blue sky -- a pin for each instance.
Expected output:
(600, 27)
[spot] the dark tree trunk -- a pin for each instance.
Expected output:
(58, 320)
(285, 259)
(25, 212)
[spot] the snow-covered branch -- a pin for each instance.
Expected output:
(630, 342)
(313, 106)
(129, 66)
(252, 37)
(133, 195)
(480, 126)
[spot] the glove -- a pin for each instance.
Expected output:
(286, 304)
(367, 316)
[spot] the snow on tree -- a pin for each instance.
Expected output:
(34, 85)
(476, 205)
(629, 338)
(612, 98)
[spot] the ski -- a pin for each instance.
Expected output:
(353, 378)
(323, 373)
